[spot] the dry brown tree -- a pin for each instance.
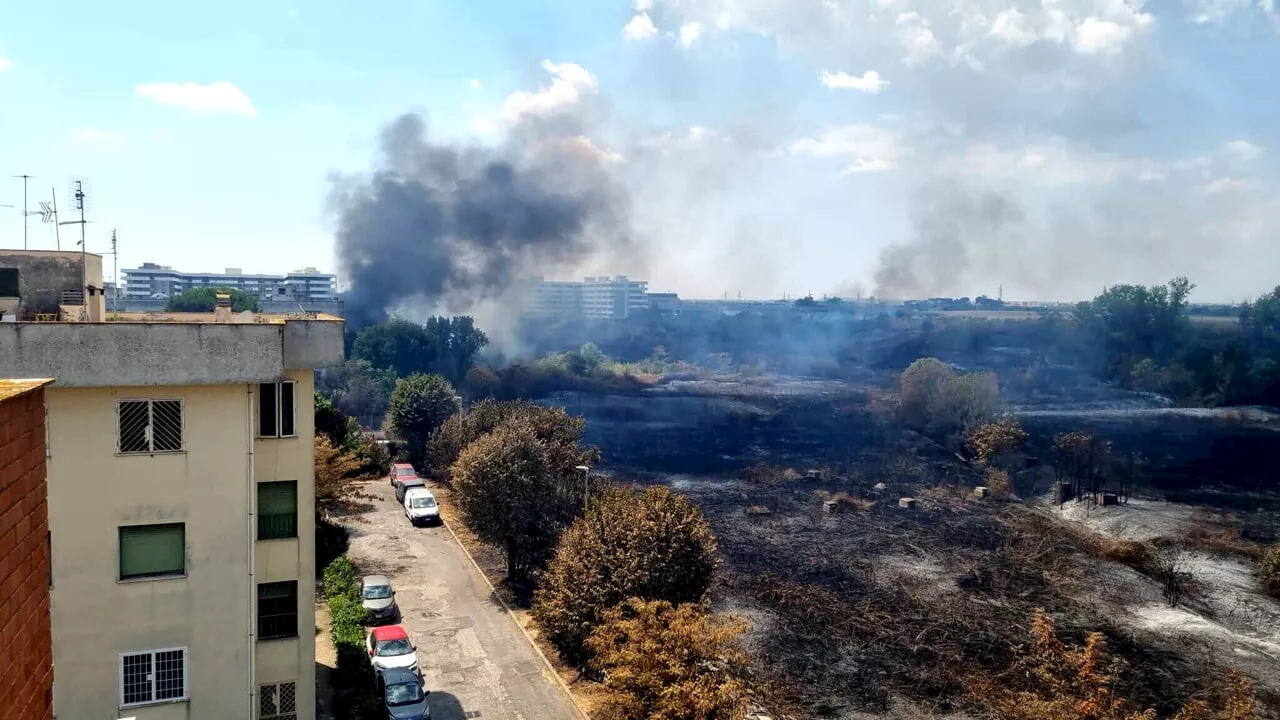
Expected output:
(669, 662)
(336, 474)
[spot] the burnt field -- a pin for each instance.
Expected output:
(873, 607)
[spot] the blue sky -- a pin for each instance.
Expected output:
(1128, 141)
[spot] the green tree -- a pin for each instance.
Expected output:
(507, 493)
(933, 397)
(358, 389)
(653, 545)
(445, 346)
(204, 299)
(561, 432)
(1127, 323)
(331, 422)
(669, 662)
(419, 405)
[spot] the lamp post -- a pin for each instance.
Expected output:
(461, 408)
(586, 486)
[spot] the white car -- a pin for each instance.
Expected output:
(420, 506)
(389, 646)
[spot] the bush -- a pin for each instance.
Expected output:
(665, 661)
(353, 680)
(933, 398)
(1269, 571)
(653, 545)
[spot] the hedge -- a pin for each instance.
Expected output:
(355, 692)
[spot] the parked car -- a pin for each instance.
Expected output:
(389, 647)
(403, 694)
(420, 506)
(402, 471)
(378, 598)
(407, 484)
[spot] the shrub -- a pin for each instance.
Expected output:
(1269, 571)
(665, 661)
(654, 545)
(353, 679)
(932, 397)
(339, 578)
(991, 441)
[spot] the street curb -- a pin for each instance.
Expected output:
(497, 596)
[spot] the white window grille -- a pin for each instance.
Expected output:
(153, 676)
(148, 426)
(277, 702)
(276, 409)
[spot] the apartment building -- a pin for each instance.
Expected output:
(152, 281)
(181, 511)
(595, 297)
(26, 649)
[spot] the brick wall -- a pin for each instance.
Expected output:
(26, 652)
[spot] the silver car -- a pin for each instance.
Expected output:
(378, 598)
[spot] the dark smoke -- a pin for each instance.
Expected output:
(444, 228)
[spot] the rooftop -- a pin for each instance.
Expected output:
(193, 318)
(13, 388)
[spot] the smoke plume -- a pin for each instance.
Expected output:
(445, 228)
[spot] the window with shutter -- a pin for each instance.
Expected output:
(277, 416)
(277, 510)
(148, 551)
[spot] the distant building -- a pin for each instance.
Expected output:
(152, 281)
(595, 297)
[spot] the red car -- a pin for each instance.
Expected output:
(389, 646)
(401, 471)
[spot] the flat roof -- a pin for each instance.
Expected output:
(12, 388)
(192, 318)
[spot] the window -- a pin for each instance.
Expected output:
(277, 702)
(275, 409)
(153, 676)
(148, 426)
(153, 551)
(277, 610)
(277, 510)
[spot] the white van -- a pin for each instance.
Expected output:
(420, 506)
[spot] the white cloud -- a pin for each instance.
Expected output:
(581, 145)
(475, 84)
(644, 5)
(868, 148)
(483, 125)
(96, 136)
(641, 27)
(216, 97)
(1100, 36)
(917, 40)
(5, 64)
(1011, 26)
(1223, 185)
(1050, 162)
(869, 82)
(569, 83)
(1211, 12)
(1244, 150)
(689, 33)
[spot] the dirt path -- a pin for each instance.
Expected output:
(326, 662)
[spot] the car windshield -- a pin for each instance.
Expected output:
(404, 694)
(423, 502)
(393, 648)
(377, 592)
(405, 472)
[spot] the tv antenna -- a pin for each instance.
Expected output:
(25, 213)
(49, 214)
(80, 199)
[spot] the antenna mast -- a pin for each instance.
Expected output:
(25, 213)
(115, 273)
(49, 214)
(80, 196)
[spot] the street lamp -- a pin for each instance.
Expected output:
(586, 486)
(461, 409)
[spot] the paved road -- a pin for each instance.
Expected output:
(474, 659)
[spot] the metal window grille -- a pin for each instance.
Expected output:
(277, 610)
(278, 702)
(153, 676)
(149, 426)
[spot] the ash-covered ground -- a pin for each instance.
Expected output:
(879, 608)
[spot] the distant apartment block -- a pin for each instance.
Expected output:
(181, 507)
(152, 281)
(26, 647)
(595, 297)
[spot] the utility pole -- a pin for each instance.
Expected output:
(25, 213)
(79, 196)
(115, 273)
(49, 213)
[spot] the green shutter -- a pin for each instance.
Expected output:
(149, 550)
(277, 510)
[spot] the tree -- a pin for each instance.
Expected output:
(445, 346)
(507, 493)
(654, 545)
(1269, 570)
(668, 662)
(204, 299)
(419, 405)
(921, 387)
(1128, 323)
(336, 473)
(932, 397)
(358, 389)
(481, 382)
(554, 426)
(331, 422)
(989, 442)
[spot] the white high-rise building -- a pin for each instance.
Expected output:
(152, 281)
(602, 297)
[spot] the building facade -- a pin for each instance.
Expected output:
(181, 512)
(43, 284)
(611, 298)
(154, 282)
(26, 647)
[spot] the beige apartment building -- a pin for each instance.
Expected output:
(181, 511)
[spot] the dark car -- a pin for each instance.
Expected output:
(403, 694)
(405, 484)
